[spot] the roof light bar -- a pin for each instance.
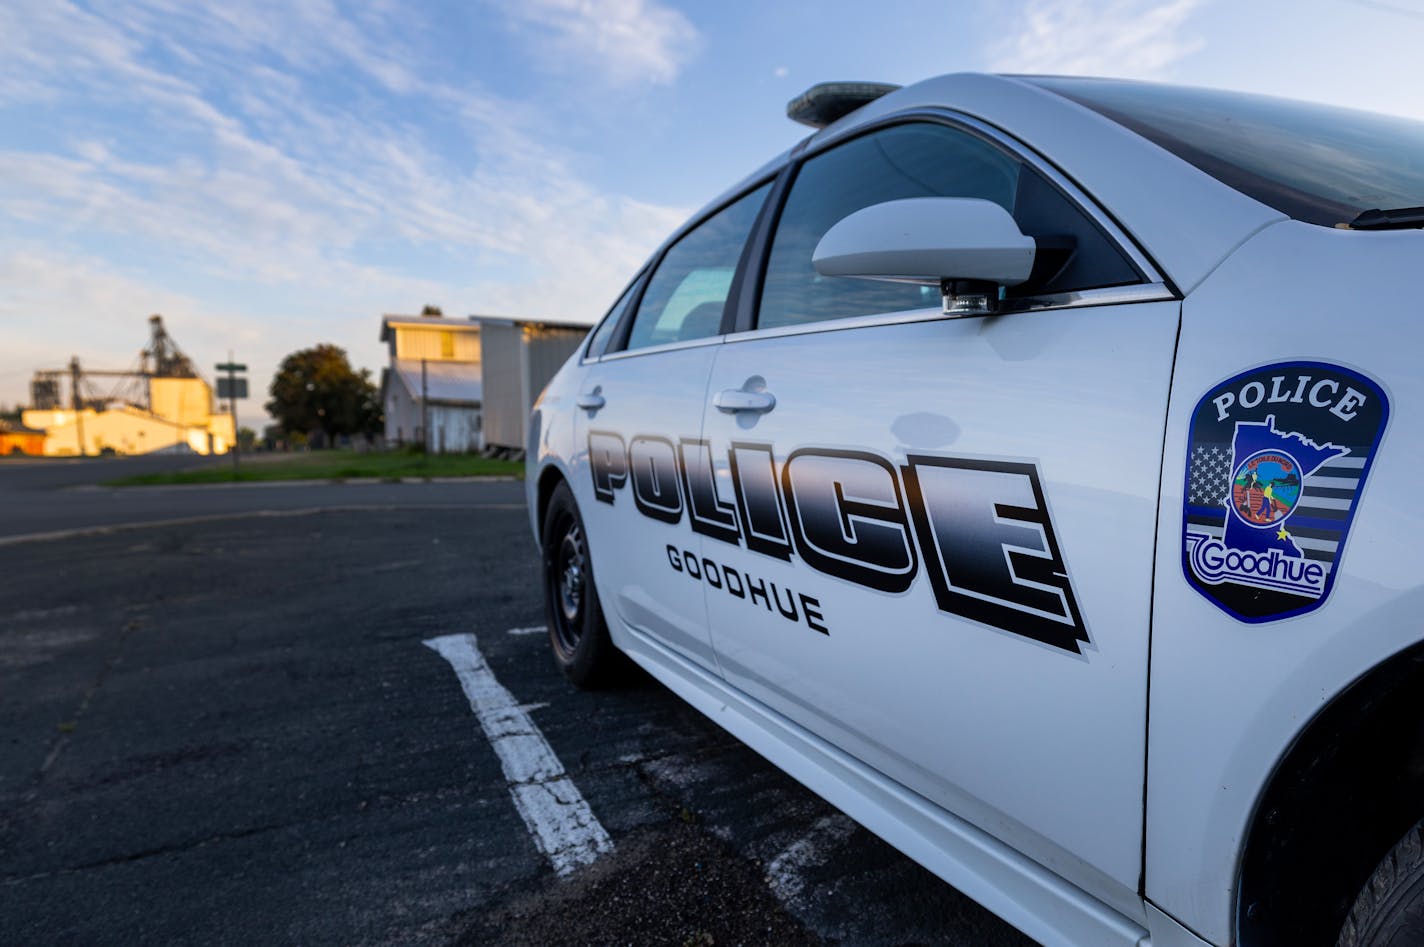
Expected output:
(825, 102)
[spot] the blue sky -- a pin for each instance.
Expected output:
(270, 175)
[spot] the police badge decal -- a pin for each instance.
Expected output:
(1276, 460)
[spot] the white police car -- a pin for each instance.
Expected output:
(1032, 468)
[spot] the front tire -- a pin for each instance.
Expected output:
(1389, 911)
(582, 647)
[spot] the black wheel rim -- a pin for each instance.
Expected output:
(567, 582)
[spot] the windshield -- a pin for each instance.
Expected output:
(1315, 163)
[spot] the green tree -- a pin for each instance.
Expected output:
(316, 389)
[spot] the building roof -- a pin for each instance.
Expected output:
(533, 321)
(445, 382)
(389, 321)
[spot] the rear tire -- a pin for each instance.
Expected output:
(1389, 911)
(578, 634)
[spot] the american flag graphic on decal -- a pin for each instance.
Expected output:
(1276, 460)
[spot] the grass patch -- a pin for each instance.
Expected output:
(332, 465)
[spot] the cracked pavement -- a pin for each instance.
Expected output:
(228, 731)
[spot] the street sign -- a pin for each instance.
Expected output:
(232, 387)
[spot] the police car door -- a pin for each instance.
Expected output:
(943, 548)
(634, 403)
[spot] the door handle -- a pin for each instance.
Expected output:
(732, 400)
(591, 400)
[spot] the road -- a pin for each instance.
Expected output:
(60, 496)
(227, 728)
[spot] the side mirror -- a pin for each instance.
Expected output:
(968, 247)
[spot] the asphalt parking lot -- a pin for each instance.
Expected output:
(221, 722)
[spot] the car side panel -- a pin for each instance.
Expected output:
(1229, 696)
(1030, 728)
(551, 437)
(653, 405)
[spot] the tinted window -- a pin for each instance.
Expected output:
(601, 335)
(917, 160)
(688, 291)
(1319, 164)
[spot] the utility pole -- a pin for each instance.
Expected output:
(424, 410)
(232, 411)
(78, 403)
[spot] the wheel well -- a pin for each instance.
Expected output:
(1347, 789)
(550, 478)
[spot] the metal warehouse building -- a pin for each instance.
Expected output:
(520, 356)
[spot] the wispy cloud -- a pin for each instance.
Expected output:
(199, 165)
(266, 182)
(72, 293)
(87, 306)
(1137, 39)
(625, 42)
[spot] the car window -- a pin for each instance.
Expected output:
(917, 160)
(1317, 163)
(688, 291)
(598, 340)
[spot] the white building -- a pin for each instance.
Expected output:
(432, 390)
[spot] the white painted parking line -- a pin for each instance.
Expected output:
(784, 872)
(563, 826)
(531, 630)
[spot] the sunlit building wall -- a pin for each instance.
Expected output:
(181, 420)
